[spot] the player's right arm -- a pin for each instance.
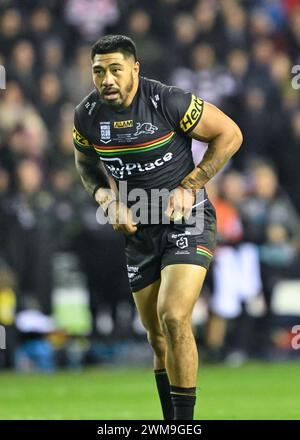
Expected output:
(100, 185)
(94, 178)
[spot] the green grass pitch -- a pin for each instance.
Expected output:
(253, 391)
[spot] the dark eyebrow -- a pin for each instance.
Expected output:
(98, 66)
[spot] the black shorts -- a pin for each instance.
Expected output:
(154, 247)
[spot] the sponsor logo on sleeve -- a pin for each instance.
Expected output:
(192, 115)
(79, 139)
(123, 124)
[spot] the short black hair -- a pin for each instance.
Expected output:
(114, 43)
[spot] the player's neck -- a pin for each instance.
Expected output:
(132, 94)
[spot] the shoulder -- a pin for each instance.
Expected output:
(161, 92)
(164, 98)
(179, 107)
(85, 109)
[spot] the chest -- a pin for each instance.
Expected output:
(139, 132)
(135, 143)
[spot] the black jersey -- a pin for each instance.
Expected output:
(145, 144)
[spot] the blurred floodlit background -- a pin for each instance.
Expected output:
(64, 295)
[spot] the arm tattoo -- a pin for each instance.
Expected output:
(213, 160)
(93, 176)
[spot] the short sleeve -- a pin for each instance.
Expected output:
(182, 109)
(81, 143)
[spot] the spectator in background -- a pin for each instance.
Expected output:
(11, 30)
(151, 53)
(209, 27)
(292, 33)
(50, 100)
(207, 79)
(52, 57)
(261, 24)
(163, 14)
(238, 64)
(185, 28)
(29, 236)
(99, 247)
(263, 52)
(267, 204)
(42, 27)
(8, 286)
(229, 232)
(256, 123)
(79, 79)
(4, 184)
(22, 67)
(273, 223)
(236, 31)
(64, 155)
(17, 112)
(290, 160)
(236, 269)
(64, 208)
(4, 200)
(91, 17)
(281, 68)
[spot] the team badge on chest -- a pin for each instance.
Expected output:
(105, 133)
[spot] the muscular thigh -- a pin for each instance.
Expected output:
(180, 288)
(146, 304)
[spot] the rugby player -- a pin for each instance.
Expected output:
(139, 131)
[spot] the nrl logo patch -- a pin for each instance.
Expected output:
(145, 128)
(123, 124)
(182, 242)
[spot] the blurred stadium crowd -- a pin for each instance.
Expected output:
(235, 54)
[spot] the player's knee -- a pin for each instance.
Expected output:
(175, 324)
(157, 342)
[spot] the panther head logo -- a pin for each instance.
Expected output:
(145, 128)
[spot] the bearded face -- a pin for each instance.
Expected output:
(115, 76)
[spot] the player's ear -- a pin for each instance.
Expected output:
(136, 68)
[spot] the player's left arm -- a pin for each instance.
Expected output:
(224, 138)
